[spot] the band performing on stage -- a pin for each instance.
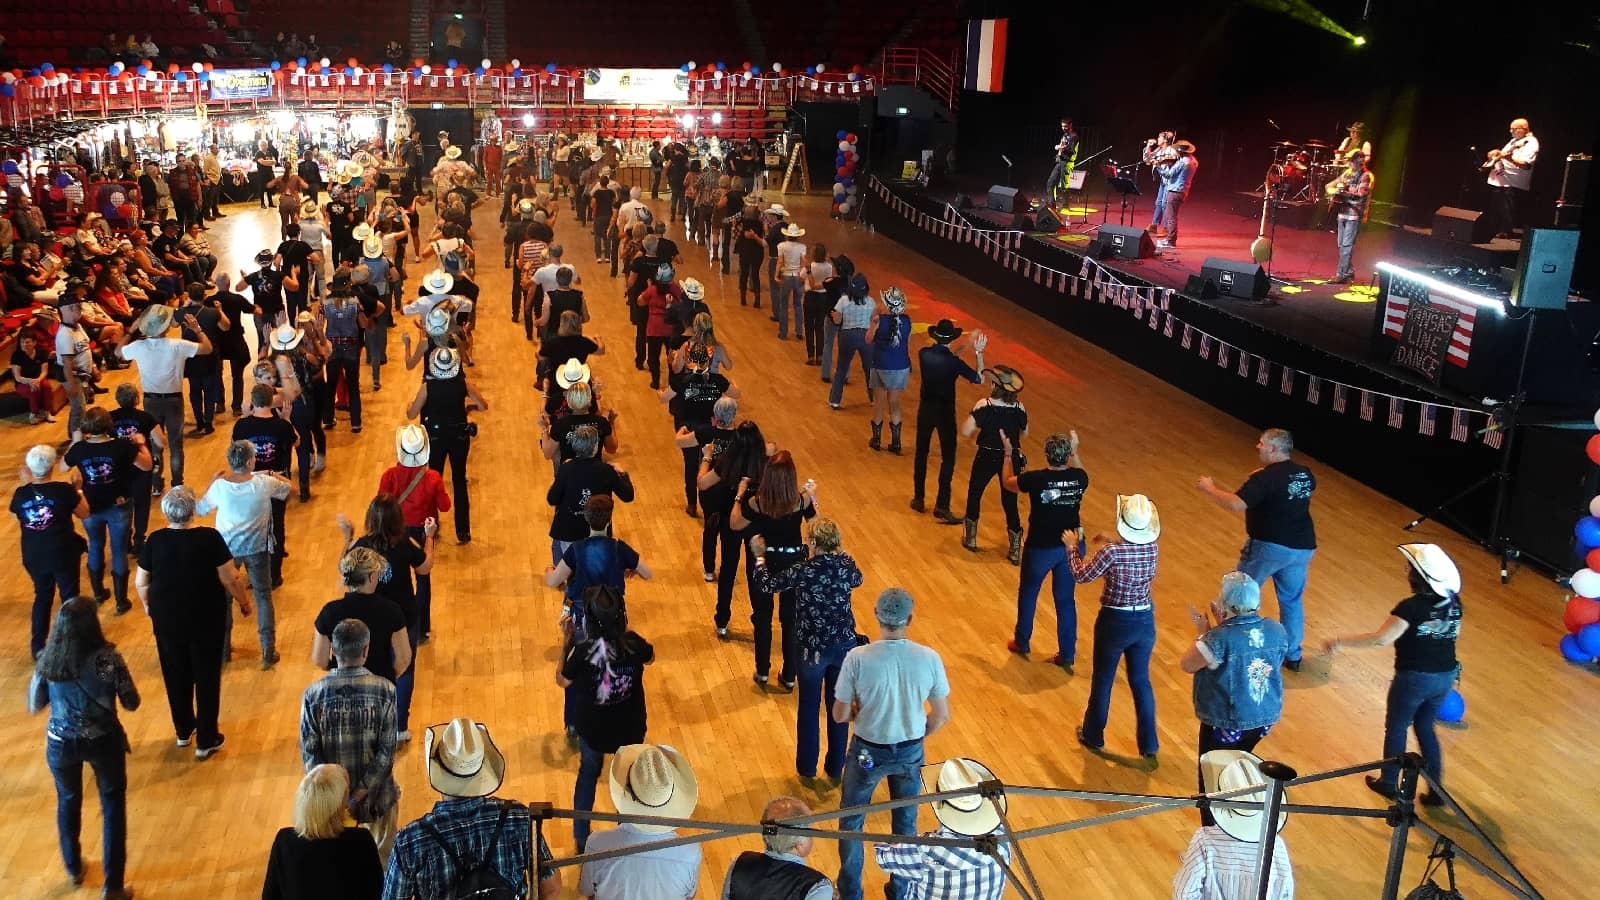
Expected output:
(1510, 171)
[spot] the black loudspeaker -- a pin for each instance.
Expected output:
(1552, 480)
(1005, 199)
(1468, 226)
(1047, 220)
(1239, 280)
(1128, 242)
(1200, 288)
(1544, 268)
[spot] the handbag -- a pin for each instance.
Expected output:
(1443, 852)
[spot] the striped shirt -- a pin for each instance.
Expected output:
(944, 873)
(532, 253)
(1218, 867)
(1128, 568)
(348, 717)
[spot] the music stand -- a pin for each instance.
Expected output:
(1120, 179)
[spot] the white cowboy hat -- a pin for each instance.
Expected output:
(452, 152)
(525, 207)
(693, 289)
(411, 445)
(777, 209)
(1435, 567)
(372, 247)
(155, 320)
(308, 209)
(653, 780)
(462, 759)
(305, 317)
(793, 231)
(1137, 519)
(436, 321)
(438, 282)
(443, 363)
(572, 372)
(286, 337)
(361, 232)
(970, 814)
(1222, 771)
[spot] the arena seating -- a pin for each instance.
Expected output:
(604, 36)
(77, 34)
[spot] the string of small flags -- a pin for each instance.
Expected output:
(1151, 305)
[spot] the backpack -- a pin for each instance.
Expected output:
(451, 260)
(1443, 852)
(479, 881)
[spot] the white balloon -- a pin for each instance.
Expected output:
(777, 67)
(844, 207)
(1586, 583)
(485, 63)
(821, 68)
(851, 190)
(516, 64)
(1597, 419)
(844, 146)
(1594, 506)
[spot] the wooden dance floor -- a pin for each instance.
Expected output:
(1522, 763)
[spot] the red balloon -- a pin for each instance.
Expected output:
(210, 66)
(172, 68)
(56, 193)
(1593, 448)
(1581, 611)
(851, 137)
(352, 62)
(1593, 558)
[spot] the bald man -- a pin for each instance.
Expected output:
(1511, 176)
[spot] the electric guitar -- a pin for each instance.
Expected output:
(1500, 157)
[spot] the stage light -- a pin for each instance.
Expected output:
(716, 118)
(1445, 288)
(1359, 41)
(528, 120)
(283, 119)
(1303, 11)
(688, 120)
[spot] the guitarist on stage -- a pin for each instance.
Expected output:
(1055, 189)
(1349, 194)
(1510, 176)
(1177, 176)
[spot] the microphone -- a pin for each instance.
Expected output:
(1006, 158)
(1274, 125)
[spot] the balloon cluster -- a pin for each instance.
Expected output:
(1581, 643)
(844, 173)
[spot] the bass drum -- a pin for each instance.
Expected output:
(1286, 178)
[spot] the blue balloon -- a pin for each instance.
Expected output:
(181, 76)
(63, 180)
(78, 70)
(722, 67)
(847, 181)
(205, 76)
(755, 70)
(301, 61)
(416, 71)
(7, 90)
(143, 69)
(9, 166)
(812, 70)
(1588, 531)
(451, 63)
(482, 71)
(48, 67)
(840, 135)
(276, 65)
(350, 70)
(387, 68)
(1454, 707)
(684, 67)
(1589, 639)
(1570, 649)
(116, 68)
(550, 67)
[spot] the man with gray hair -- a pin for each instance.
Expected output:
(704, 442)
(242, 499)
(583, 475)
(779, 873)
(347, 718)
(896, 693)
(52, 551)
(1280, 539)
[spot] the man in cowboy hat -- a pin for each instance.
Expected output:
(1280, 537)
(75, 356)
(954, 873)
(775, 217)
(646, 780)
(896, 693)
(1177, 177)
(161, 361)
(781, 870)
(432, 855)
(442, 402)
(1222, 861)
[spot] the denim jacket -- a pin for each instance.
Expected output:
(86, 708)
(1246, 690)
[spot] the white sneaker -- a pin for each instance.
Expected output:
(319, 461)
(403, 736)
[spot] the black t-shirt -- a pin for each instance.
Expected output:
(609, 710)
(162, 245)
(733, 203)
(107, 470)
(267, 287)
(557, 302)
(1429, 645)
(234, 307)
(941, 369)
(1277, 499)
(341, 220)
(666, 248)
(577, 481)
(45, 513)
(395, 582)
(561, 430)
(993, 418)
(782, 534)
(128, 421)
(187, 599)
(697, 394)
(644, 266)
(30, 366)
(718, 438)
(382, 616)
(296, 254)
(1054, 496)
(560, 348)
(273, 438)
(605, 203)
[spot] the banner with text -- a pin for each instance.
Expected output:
(635, 86)
(241, 84)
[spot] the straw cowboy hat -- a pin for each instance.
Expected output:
(777, 209)
(286, 337)
(895, 299)
(305, 317)
(1137, 519)
(793, 231)
(1006, 377)
(341, 176)
(411, 445)
(361, 232)
(308, 209)
(452, 152)
(1184, 147)
(572, 372)
(653, 780)
(693, 289)
(525, 208)
(155, 320)
(1222, 771)
(969, 814)
(462, 759)
(372, 247)
(1435, 567)
(438, 282)
(944, 332)
(436, 321)
(444, 363)
(264, 258)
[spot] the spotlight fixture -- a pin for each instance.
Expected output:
(716, 118)
(1359, 40)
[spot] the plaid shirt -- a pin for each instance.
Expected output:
(1128, 568)
(420, 868)
(348, 717)
(944, 873)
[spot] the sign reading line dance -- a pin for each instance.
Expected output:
(241, 84)
(1425, 339)
(1399, 294)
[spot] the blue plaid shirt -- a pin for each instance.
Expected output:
(348, 717)
(944, 873)
(419, 868)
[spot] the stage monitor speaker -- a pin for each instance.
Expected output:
(1544, 268)
(1200, 288)
(1468, 226)
(1047, 220)
(1006, 199)
(1236, 279)
(1128, 242)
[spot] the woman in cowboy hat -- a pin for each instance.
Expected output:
(1422, 629)
(693, 389)
(1126, 625)
(420, 493)
(789, 289)
(1001, 413)
(891, 367)
(441, 402)
(300, 368)
(315, 235)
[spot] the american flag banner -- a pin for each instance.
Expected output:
(1458, 426)
(1404, 291)
(1166, 330)
(1038, 275)
(1429, 419)
(1088, 268)
(1244, 365)
(1397, 412)
(1366, 406)
(1263, 371)
(997, 250)
(1205, 347)
(1166, 298)
(1188, 337)
(1494, 437)
(1077, 289)
(1222, 355)
(1155, 316)
(1340, 395)
(1119, 298)
(1314, 390)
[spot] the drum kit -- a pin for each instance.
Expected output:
(1297, 170)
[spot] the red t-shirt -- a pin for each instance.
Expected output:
(426, 501)
(655, 298)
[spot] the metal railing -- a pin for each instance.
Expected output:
(933, 72)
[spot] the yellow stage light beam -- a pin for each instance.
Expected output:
(1302, 11)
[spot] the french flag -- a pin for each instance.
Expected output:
(986, 55)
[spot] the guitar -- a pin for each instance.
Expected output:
(1499, 156)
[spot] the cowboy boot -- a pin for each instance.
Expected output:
(969, 535)
(877, 436)
(119, 590)
(97, 583)
(894, 438)
(1015, 553)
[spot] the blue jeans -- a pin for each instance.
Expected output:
(817, 680)
(1286, 566)
(787, 294)
(1160, 206)
(258, 568)
(1414, 699)
(1349, 226)
(97, 525)
(591, 763)
(107, 756)
(903, 767)
(1037, 562)
(1172, 204)
(852, 341)
(424, 589)
(405, 686)
(1118, 635)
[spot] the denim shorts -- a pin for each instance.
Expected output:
(890, 379)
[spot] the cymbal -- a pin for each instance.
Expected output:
(1286, 145)
(1317, 145)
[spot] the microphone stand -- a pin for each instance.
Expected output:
(1078, 166)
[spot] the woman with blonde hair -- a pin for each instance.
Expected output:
(318, 858)
(701, 343)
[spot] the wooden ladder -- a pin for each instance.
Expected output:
(797, 159)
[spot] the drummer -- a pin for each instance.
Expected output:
(1355, 139)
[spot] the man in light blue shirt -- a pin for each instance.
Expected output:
(1176, 179)
(897, 694)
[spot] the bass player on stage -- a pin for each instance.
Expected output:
(1349, 195)
(1510, 176)
(1158, 151)
(1055, 189)
(1177, 176)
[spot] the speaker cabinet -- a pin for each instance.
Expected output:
(1552, 480)
(1127, 242)
(1047, 220)
(1468, 226)
(1236, 279)
(1005, 199)
(1544, 268)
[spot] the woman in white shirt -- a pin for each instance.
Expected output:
(855, 313)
